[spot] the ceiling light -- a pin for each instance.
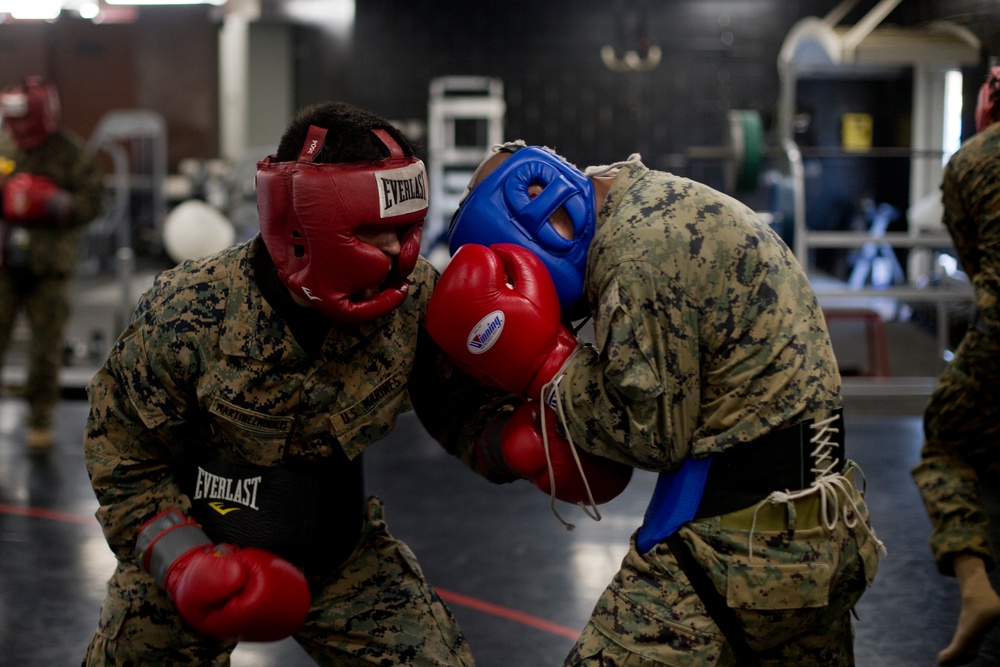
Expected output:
(165, 2)
(89, 10)
(31, 9)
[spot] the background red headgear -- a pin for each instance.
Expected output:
(309, 216)
(988, 102)
(30, 111)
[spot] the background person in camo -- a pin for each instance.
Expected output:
(50, 189)
(962, 420)
(227, 427)
(712, 366)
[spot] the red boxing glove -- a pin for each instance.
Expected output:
(224, 591)
(524, 451)
(496, 313)
(28, 197)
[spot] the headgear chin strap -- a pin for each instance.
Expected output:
(310, 213)
(988, 102)
(34, 106)
(500, 210)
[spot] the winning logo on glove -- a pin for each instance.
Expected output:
(486, 332)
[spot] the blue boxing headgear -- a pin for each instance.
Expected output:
(499, 210)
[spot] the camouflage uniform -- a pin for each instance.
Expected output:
(709, 336)
(962, 420)
(39, 260)
(208, 366)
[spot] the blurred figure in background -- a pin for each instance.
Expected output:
(50, 189)
(962, 420)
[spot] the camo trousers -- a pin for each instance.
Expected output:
(375, 609)
(45, 301)
(792, 597)
(961, 450)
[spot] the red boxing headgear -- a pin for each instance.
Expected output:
(30, 111)
(988, 102)
(310, 213)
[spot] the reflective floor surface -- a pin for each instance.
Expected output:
(519, 583)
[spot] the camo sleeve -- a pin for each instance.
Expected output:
(970, 194)
(707, 331)
(622, 401)
(136, 400)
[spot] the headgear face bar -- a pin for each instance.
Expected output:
(500, 210)
(310, 214)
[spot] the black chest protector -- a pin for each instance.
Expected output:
(309, 512)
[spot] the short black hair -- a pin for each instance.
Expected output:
(348, 139)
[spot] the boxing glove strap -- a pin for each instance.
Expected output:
(172, 534)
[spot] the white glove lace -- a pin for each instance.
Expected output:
(836, 492)
(611, 169)
(549, 396)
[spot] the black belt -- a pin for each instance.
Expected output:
(748, 473)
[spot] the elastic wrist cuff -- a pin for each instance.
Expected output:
(165, 539)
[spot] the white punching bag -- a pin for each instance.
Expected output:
(195, 229)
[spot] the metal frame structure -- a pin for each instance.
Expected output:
(453, 100)
(821, 46)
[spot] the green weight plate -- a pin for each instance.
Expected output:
(752, 158)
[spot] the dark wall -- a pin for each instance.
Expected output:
(717, 56)
(982, 17)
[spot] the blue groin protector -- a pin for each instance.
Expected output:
(675, 501)
(500, 210)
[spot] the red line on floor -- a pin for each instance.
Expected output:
(52, 515)
(506, 612)
(449, 596)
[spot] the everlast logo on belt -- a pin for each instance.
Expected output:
(402, 190)
(240, 491)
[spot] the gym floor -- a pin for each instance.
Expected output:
(520, 584)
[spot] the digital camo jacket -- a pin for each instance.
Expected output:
(961, 424)
(207, 366)
(708, 332)
(970, 194)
